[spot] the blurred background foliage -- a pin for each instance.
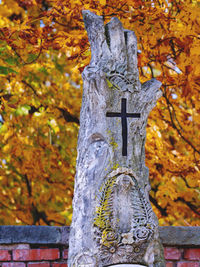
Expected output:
(43, 50)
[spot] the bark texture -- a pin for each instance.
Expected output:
(113, 222)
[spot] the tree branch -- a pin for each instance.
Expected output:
(189, 204)
(180, 174)
(68, 116)
(34, 60)
(176, 128)
(30, 86)
(155, 203)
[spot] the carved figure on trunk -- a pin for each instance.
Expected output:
(113, 222)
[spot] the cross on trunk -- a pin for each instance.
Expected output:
(123, 115)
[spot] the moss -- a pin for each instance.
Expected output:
(104, 211)
(112, 140)
(113, 143)
(116, 166)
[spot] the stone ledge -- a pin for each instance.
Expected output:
(170, 235)
(34, 234)
(180, 235)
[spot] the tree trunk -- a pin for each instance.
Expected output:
(113, 222)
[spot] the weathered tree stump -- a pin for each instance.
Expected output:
(113, 222)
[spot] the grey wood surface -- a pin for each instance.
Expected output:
(113, 221)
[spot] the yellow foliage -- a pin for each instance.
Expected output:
(102, 2)
(43, 50)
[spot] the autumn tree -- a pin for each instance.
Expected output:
(43, 50)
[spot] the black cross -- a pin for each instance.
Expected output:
(123, 115)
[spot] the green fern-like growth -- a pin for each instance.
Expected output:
(104, 210)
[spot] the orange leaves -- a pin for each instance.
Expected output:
(30, 36)
(43, 49)
(26, 3)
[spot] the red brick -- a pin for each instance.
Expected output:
(58, 264)
(5, 255)
(172, 254)
(192, 254)
(169, 264)
(36, 254)
(188, 264)
(65, 254)
(13, 264)
(38, 264)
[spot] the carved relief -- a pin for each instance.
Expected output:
(124, 222)
(84, 260)
(119, 77)
(115, 224)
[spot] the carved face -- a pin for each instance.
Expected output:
(125, 181)
(125, 211)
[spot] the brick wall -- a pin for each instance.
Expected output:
(182, 257)
(25, 256)
(37, 246)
